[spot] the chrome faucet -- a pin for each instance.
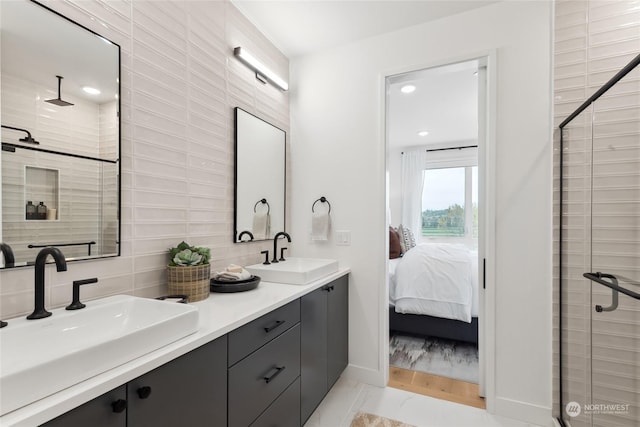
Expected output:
(275, 244)
(9, 259)
(39, 311)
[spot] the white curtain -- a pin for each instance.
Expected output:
(413, 165)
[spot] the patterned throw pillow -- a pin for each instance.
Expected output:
(407, 240)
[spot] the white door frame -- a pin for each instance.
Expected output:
(487, 225)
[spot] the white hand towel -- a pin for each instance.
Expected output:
(320, 222)
(232, 273)
(261, 225)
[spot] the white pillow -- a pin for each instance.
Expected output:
(407, 239)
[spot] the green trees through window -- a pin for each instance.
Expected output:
(447, 192)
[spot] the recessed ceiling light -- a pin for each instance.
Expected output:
(91, 90)
(475, 73)
(407, 88)
(423, 133)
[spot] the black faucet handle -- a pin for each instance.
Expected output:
(76, 304)
(266, 257)
(282, 254)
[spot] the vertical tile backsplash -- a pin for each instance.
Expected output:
(179, 85)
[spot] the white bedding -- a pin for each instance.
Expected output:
(437, 280)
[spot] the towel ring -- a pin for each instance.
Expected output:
(321, 200)
(264, 202)
(242, 234)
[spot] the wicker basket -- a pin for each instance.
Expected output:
(191, 281)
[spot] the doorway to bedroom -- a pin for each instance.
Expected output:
(435, 125)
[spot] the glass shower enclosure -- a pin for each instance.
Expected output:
(599, 257)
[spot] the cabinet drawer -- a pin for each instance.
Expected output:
(257, 333)
(284, 412)
(260, 378)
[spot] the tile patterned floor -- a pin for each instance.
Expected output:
(348, 397)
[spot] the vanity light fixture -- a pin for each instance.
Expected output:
(407, 88)
(262, 72)
(91, 90)
(423, 133)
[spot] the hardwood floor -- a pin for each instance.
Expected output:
(435, 386)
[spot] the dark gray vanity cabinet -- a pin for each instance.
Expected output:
(108, 410)
(324, 322)
(262, 383)
(337, 329)
(285, 411)
(188, 391)
(272, 371)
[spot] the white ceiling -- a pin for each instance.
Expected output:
(445, 102)
(37, 45)
(299, 27)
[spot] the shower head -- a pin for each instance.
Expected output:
(59, 101)
(27, 138)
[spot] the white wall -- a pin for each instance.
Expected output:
(338, 150)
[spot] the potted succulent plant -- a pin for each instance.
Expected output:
(189, 271)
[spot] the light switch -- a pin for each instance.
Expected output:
(343, 237)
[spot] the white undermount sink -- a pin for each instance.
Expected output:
(41, 357)
(294, 271)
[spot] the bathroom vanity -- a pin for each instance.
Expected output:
(259, 358)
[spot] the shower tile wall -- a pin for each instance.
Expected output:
(76, 129)
(594, 40)
(180, 83)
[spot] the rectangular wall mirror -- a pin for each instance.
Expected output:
(60, 114)
(259, 178)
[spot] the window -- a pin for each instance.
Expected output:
(450, 203)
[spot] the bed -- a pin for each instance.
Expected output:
(433, 290)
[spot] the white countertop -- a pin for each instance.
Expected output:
(218, 315)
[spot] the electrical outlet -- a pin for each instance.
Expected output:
(343, 237)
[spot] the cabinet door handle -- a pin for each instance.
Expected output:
(329, 288)
(144, 392)
(119, 406)
(270, 378)
(275, 325)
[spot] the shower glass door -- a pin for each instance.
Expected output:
(615, 251)
(600, 258)
(576, 259)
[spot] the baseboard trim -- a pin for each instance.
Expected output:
(365, 375)
(523, 411)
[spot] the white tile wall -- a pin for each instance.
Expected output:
(179, 85)
(593, 40)
(78, 130)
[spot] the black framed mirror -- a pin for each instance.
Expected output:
(260, 178)
(60, 114)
